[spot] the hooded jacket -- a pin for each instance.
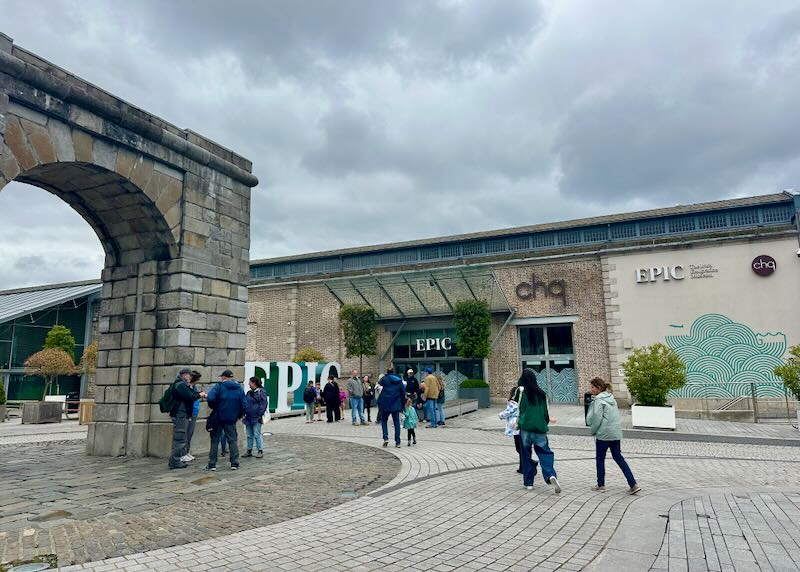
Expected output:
(393, 394)
(603, 418)
(256, 405)
(330, 394)
(228, 401)
(185, 397)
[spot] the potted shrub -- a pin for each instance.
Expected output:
(475, 389)
(650, 374)
(789, 373)
(48, 363)
(2, 402)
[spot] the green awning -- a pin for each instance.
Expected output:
(420, 294)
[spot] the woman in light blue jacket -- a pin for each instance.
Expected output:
(604, 423)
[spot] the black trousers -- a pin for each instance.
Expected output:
(368, 407)
(412, 434)
(332, 412)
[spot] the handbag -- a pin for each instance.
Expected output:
(212, 422)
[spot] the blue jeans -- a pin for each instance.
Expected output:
(254, 433)
(601, 447)
(357, 406)
(395, 415)
(440, 412)
(539, 443)
(430, 412)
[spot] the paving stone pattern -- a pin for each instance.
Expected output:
(458, 504)
(732, 532)
(55, 499)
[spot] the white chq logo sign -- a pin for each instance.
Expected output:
(427, 344)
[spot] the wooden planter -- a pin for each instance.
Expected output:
(42, 412)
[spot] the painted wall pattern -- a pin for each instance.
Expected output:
(723, 357)
(563, 386)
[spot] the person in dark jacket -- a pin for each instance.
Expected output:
(310, 399)
(255, 406)
(392, 400)
(227, 401)
(187, 455)
(330, 395)
(412, 385)
(369, 394)
(534, 421)
(185, 396)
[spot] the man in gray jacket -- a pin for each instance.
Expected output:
(355, 389)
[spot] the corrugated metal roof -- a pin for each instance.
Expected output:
(22, 301)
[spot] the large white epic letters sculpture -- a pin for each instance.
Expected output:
(285, 387)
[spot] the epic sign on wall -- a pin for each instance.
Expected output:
(280, 378)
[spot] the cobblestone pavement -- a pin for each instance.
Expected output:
(57, 500)
(458, 504)
(732, 532)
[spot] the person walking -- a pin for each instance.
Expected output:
(440, 400)
(310, 399)
(431, 394)
(228, 403)
(412, 384)
(369, 394)
(604, 423)
(187, 455)
(511, 417)
(410, 420)
(392, 401)
(184, 396)
(255, 406)
(534, 420)
(342, 402)
(355, 389)
(330, 394)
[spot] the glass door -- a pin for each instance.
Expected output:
(548, 350)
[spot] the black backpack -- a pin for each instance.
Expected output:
(168, 402)
(309, 395)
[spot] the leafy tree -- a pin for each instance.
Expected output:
(473, 323)
(652, 372)
(88, 362)
(357, 322)
(61, 337)
(790, 372)
(308, 355)
(49, 363)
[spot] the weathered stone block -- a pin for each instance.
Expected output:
(173, 337)
(182, 281)
(42, 412)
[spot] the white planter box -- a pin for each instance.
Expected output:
(653, 417)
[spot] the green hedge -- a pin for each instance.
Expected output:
(472, 383)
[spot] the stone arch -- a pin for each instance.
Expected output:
(172, 210)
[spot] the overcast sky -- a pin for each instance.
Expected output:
(371, 122)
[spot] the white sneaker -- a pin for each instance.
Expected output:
(530, 488)
(186, 458)
(556, 486)
(190, 457)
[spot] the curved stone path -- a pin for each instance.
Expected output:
(458, 504)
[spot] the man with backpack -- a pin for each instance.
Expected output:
(227, 402)
(179, 400)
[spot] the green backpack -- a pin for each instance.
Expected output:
(167, 402)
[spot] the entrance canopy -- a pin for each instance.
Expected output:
(420, 294)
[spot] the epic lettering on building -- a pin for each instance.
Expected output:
(428, 344)
(291, 378)
(552, 289)
(656, 273)
(764, 265)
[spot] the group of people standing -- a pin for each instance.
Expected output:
(528, 420)
(229, 404)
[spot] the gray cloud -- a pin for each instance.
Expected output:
(375, 122)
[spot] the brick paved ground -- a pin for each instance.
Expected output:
(458, 504)
(57, 500)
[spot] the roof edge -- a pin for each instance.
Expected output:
(50, 287)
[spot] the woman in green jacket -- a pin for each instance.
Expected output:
(533, 424)
(604, 423)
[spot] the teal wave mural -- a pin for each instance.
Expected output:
(563, 386)
(723, 357)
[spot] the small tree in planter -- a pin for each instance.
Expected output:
(48, 363)
(651, 373)
(357, 322)
(61, 337)
(473, 324)
(789, 373)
